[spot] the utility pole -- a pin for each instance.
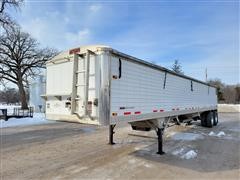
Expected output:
(206, 75)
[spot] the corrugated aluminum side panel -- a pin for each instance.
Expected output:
(140, 90)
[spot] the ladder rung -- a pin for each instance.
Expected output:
(91, 88)
(80, 85)
(83, 71)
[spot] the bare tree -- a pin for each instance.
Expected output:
(237, 89)
(220, 86)
(9, 95)
(5, 18)
(21, 58)
(176, 67)
(229, 94)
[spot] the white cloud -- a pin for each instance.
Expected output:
(36, 27)
(79, 38)
(95, 8)
(74, 25)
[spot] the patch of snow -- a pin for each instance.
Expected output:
(148, 165)
(38, 118)
(178, 151)
(136, 148)
(189, 155)
(235, 129)
(187, 136)
(212, 134)
(220, 134)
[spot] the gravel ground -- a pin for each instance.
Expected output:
(76, 151)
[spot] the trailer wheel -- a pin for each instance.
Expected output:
(210, 119)
(203, 119)
(215, 114)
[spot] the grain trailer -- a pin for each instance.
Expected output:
(100, 85)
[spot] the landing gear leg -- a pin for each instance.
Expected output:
(160, 141)
(111, 132)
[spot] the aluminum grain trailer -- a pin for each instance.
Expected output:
(100, 85)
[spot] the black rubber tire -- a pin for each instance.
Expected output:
(215, 114)
(203, 119)
(210, 119)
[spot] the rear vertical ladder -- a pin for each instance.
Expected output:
(76, 72)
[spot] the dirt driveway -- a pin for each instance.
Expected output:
(75, 151)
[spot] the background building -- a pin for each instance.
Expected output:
(36, 89)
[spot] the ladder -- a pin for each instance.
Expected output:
(84, 73)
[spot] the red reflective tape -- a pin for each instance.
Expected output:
(155, 111)
(138, 112)
(127, 113)
(161, 110)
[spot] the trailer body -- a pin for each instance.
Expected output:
(100, 85)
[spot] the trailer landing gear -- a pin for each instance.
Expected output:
(111, 132)
(160, 141)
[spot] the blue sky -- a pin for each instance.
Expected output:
(200, 35)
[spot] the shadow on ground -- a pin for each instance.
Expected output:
(213, 153)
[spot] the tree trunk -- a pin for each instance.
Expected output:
(22, 93)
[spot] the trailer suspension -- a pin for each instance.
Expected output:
(111, 132)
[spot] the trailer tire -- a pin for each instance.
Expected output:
(203, 119)
(210, 119)
(215, 114)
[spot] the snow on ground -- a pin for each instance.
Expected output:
(178, 151)
(38, 118)
(235, 129)
(185, 136)
(220, 134)
(189, 155)
(228, 108)
(185, 153)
